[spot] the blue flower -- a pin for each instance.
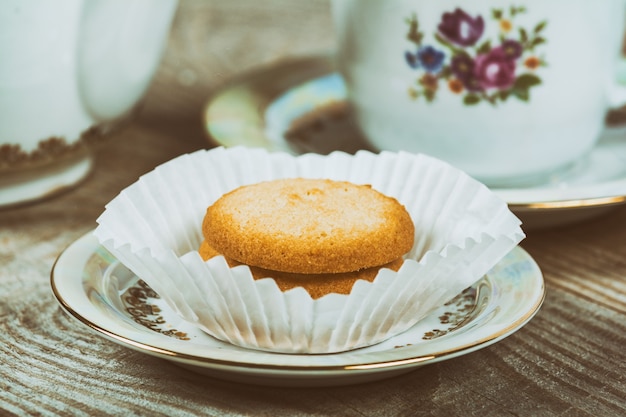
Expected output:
(430, 59)
(411, 59)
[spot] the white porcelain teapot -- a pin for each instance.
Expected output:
(514, 92)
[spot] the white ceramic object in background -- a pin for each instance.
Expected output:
(508, 91)
(70, 70)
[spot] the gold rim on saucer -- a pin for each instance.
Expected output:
(81, 282)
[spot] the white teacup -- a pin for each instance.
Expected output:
(70, 70)
(509, 91)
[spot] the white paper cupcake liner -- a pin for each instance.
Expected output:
(154, 228)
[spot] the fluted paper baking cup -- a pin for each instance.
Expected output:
(153, 227)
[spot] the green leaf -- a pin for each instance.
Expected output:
(503, 95)
(443, 41)
(540, 26)
(414, 35)
(537, 41)
(523, 35)
(445, 72)
(497, 14)
(491, 99)
(526, 81)
(485, 47)
(522, 94)
(447, 44)
(523, 84)
(471, 99)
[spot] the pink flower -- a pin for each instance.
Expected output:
(460, 28)
(495, 69)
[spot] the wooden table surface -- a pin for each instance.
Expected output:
(570, 360)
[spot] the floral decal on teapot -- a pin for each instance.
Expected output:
(474, 66)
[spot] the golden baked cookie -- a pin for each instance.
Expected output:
(317, 285)
(206, 251)
(308, 226)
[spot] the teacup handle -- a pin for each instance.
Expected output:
(617, 90)
(120, 44)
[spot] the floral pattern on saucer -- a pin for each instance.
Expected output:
(472, 64)
(92, 286)
(137, 301)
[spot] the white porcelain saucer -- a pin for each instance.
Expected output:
(300, 106)
(27, 186)
(93, 287)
